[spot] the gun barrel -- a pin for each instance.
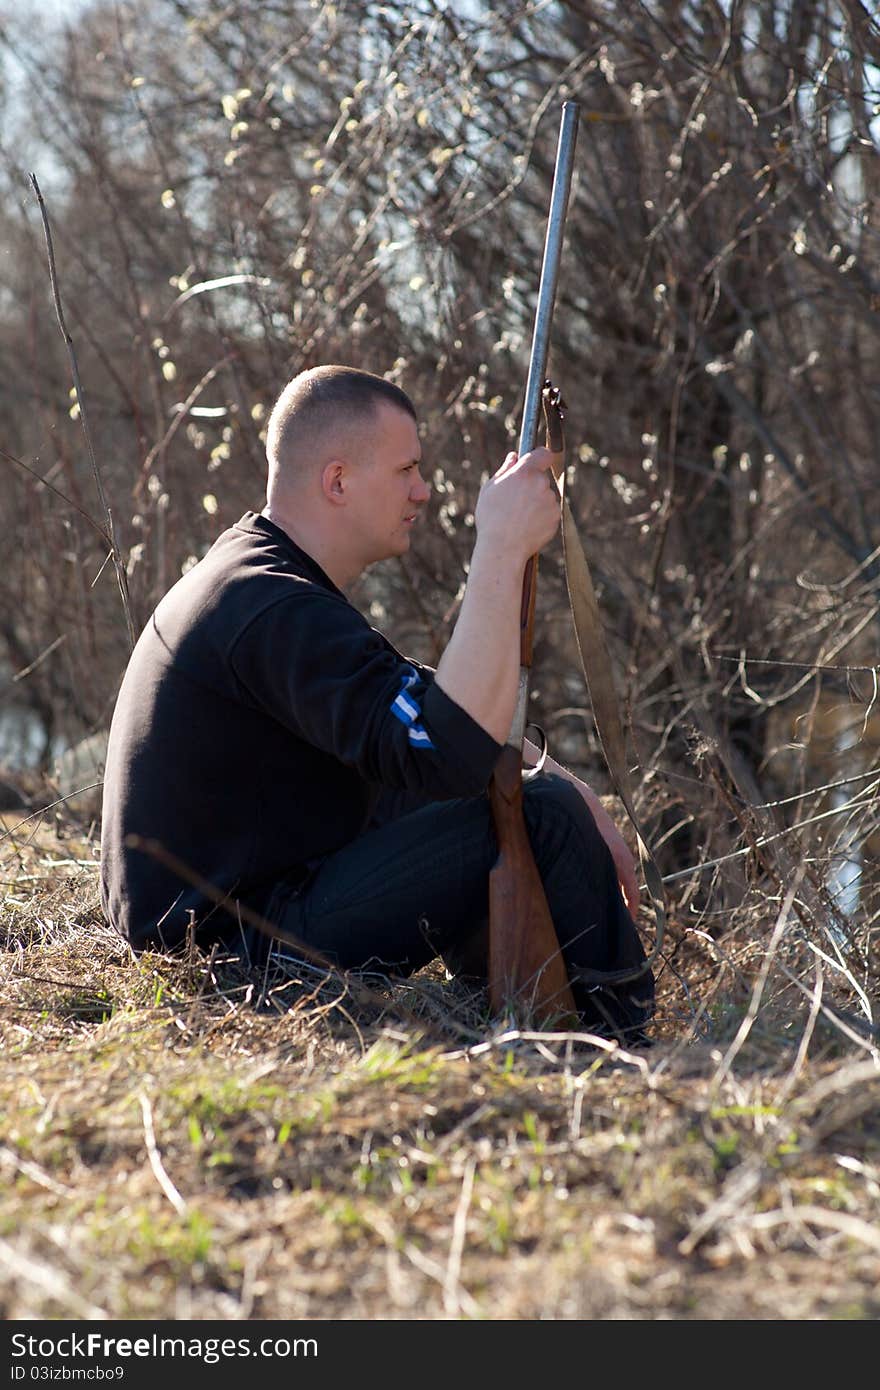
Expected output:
(549, 273)
(537, 374)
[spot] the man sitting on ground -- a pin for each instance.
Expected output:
(283, 751)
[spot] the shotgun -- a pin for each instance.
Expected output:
(526, 968)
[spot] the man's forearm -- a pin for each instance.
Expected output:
(479, 668)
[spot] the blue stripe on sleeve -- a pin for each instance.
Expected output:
(420, 737)
(407, 710)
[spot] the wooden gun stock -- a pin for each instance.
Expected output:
(526, 968)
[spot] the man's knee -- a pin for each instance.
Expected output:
(554, 808)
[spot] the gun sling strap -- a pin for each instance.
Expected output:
(606, 716)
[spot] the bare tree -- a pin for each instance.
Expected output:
(243, 191)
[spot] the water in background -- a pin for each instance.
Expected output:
(21, 740)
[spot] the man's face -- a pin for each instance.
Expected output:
(386, 489)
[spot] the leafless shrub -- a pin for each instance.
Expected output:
(240, 192)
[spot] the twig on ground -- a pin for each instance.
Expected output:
(803, 1047)
(155, 1158)
(737, 1190)
(451, 1287)
(517, 1035)
(10, 1159)
(435, 1270)
(760, 985)
(50, 1282)
(853, 1028)
(840, 1221)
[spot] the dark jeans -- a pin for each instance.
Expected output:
(416, 885)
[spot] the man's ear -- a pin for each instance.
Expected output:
(333, 481)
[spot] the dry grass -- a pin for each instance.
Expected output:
(181, 1140)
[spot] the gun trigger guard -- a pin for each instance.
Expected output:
(530, 772)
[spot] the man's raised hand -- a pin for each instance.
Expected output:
(518, 507)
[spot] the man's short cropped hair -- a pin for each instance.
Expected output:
(323, 399)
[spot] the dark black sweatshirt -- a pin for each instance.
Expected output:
(259, 719)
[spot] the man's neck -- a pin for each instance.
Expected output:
(341, 569)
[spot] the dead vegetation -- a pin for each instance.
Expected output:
(350, 182)
(181, 1139)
